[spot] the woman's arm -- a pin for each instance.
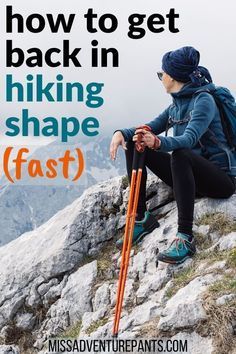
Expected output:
(158, 125)
(203, 113)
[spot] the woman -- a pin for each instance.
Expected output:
(197, 165)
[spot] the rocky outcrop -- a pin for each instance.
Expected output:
(26, 206)
(61, 279)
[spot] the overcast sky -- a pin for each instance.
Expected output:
(132, 92)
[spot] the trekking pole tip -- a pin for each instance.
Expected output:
(114, 335)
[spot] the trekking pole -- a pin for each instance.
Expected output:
(138, 162)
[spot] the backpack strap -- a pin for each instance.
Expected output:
(171, 122)
(222, 146)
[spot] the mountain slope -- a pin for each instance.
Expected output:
(63, 275)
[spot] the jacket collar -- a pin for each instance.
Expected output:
(189, 89)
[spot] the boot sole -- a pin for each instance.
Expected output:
(167, 260)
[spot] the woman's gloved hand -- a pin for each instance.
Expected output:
(144, 137)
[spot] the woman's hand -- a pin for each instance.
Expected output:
(116, 140)
(147, 138)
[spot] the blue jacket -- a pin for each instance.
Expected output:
(194, 119)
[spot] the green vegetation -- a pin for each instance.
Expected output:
(184, 277)
(180, 280)
(105, 212)
(231, 259)
(219, 325)
(211, 256)
(218, 222)
(17, 336)
(149, 329)
(220, 317)
(202, 241)
(105, 264)
(227, 285)
(95, 325)
(224, 225)
(124, 182)
(73, 331)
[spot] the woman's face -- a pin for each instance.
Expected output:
(168, 82)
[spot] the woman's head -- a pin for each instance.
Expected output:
(171, 85)
(181, 66)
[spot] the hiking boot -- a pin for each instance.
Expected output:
(179, 250)
(141, 229)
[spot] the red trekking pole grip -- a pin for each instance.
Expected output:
(139, 144)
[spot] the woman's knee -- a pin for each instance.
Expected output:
(180, 155)
(230, 190)
(180, 152)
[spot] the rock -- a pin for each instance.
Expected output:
(214, 237)
(202, 267)
(195, 343)
(216, 266)
(175, 269)
(160, 297)
(103, 331)
(138, 266)
(9, 349)
(3, 332)
(185, 315)
(89, 318)
(25, 321)
(38, 261)
(225, 298)
(54, 292)
(131, 253)
(184, 309)
(128, 294)
(160, 192)
(203, 229)
(11, 306)
(141, 314)
(45, 287)
(46, 269)
(227, 242)
(151, 284)
(116, 256)
(127, 335)
(121, 222)
(212, 205)
(102, 297)
(74, 302)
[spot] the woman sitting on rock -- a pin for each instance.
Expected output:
(197, 166)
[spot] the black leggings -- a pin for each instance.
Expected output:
(189, 175)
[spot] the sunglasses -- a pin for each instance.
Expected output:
(160, 75)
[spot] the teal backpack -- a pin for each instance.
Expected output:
(227, 107)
